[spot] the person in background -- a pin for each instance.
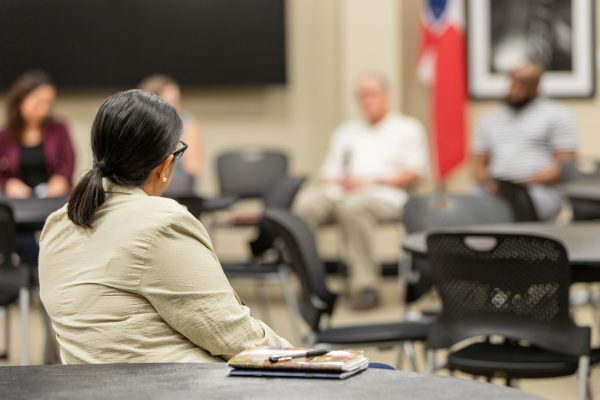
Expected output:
(127, 275)
(188, 171)
(370, 164)
(36, 153)
(525, 141)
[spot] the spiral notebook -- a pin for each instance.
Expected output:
(336, 364)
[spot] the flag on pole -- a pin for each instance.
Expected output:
(442, 66)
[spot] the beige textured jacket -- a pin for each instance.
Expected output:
(144, 285)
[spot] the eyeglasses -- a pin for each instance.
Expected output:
(181, 148)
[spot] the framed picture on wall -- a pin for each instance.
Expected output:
(559, 34)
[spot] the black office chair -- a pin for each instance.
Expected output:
(280, 197)
(316, 303)
(517, 196)
(571, 170)
(14, 282)
(250, 174)
(583, 209)
(512, 286)
(444, 211)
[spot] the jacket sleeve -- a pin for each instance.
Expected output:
(7, 159)
(64, 164)
(187, 286)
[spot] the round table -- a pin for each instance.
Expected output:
(187, 381)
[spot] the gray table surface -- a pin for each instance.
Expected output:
(190, 381)
(583, 189)
(581, 239)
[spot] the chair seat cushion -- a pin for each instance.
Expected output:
(511, 360)
(376, 333)
(11, 280)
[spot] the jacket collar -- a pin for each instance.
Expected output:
(111, 187)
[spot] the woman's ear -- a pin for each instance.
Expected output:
(163, 169)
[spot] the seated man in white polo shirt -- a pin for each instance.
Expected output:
(370, 164)
(525, 141)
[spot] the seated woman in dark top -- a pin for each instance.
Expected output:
(36, 153)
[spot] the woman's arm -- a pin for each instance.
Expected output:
(16, 189)
(186, 285)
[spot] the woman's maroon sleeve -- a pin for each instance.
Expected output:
(64, 165)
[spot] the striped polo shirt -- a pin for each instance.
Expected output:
(521, 143)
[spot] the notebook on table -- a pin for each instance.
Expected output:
(336, 364)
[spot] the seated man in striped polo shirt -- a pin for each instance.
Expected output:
(525, 141)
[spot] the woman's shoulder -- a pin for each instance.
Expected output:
(56, 126)
(165, 210)
(4, 136)
(171, 218)
(7, 143)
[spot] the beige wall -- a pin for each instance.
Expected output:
(329, 43)
(369, 40)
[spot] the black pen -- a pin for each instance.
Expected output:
(310, 353)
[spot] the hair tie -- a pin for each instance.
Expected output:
(102, 167)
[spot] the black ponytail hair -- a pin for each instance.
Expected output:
(133, 132)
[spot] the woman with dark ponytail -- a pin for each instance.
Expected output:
(127, 275)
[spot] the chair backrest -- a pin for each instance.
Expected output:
(516, 286)
(250, 174)
(447, 211)
(571, 170)
(282, 194)
(7, 234)
(280, 197)
(517, 196)
(194, 204)
(299, 246)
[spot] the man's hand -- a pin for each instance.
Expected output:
(17, 189)
(490, 186)
(350, 183)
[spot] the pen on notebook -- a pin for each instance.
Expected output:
(310, 353)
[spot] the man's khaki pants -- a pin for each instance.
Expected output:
(357, 215)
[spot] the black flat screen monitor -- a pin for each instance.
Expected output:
(115, 43)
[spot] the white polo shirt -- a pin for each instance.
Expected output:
(381, 151)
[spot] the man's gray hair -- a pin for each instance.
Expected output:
(378, 76)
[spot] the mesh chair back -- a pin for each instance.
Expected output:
(299, 243)
(281, 197)
(519, 200)
(516, 286)
(446, 211)
(250, 174)
(7, 234)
